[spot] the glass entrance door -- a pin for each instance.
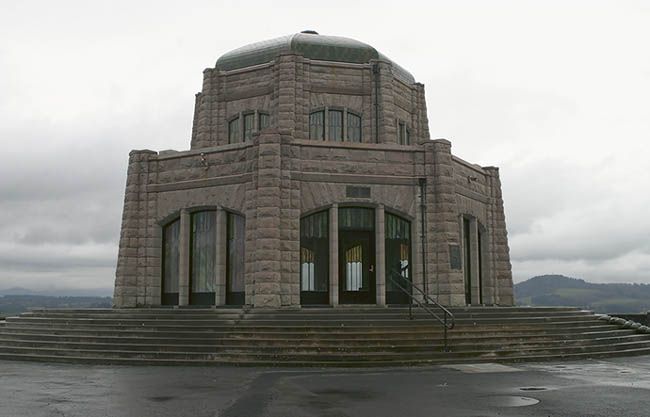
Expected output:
(235, 260)
(398, 259)
(202, 257)
(356, 267)
(314, 259)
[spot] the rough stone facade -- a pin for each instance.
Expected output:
(278, 175)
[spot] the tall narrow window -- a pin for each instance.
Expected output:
(314, 259)
(335, 125)
(235, 262)
(203, 252)
(170, 270)
(249, 120)
(398, 257)
(401, 133)
(233, 130)
(317, 125)
(354, 128)
(265, 121)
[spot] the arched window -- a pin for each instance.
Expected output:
(314, 259)
(354, 128)
(336, 125)
(317, 125)
(398, 256)
(202, 255)
(170, 263)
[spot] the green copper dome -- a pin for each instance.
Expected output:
(310, 45)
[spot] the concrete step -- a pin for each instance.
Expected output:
(260, 324)
(343, 336)
(281, 339)
(322, 347)
(305, 333)
(402, 361)
(332, 357)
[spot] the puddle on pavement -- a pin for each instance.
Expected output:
(533, 389)
(510, 401)
(161, 399)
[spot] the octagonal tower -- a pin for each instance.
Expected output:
(310, 179)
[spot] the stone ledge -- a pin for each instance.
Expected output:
(202, 183)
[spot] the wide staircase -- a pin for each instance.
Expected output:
(362, 336)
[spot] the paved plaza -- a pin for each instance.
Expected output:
(612, 387)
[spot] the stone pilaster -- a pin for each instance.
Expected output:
(289, 224)
(383, 83)
(416, 246)
(221, 257)
(267, 275)
(203, 118)
(422, 127)
(334, 254)
(286, 94)
(499, 252)
(442, 223)
(380, 255)
(184, 259)
(131, 263)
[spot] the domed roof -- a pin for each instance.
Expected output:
(310, 45)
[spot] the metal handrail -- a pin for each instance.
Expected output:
(447, 321)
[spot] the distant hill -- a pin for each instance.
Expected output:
(16, 304)
(558, 290)
(64, 292)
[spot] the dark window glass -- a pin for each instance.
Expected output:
(354, 128)
(314, 252)
(171, 234)
(407, 137)
(354, 268)
(203, 251)
(356, 218)
(335, 125)
(264, 121)
(233, 130)
(317, 125)
(401, 133)
(236, 230)
(398, 248)
(249, 120)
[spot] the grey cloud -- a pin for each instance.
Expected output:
(571, 140)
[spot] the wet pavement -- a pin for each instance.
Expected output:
(612, 387)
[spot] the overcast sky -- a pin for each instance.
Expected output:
(557, 94)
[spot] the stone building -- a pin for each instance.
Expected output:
(311, 179)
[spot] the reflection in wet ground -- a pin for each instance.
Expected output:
(598, 388)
